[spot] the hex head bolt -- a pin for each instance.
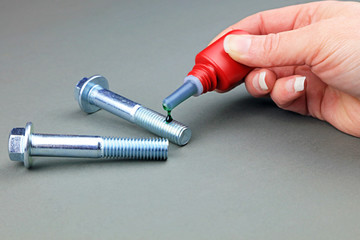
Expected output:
(92, 94)
(23, 144)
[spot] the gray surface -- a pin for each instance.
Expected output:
(251, 170)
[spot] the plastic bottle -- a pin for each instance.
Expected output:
(214, 70)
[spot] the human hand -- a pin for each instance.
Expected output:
(307, 58)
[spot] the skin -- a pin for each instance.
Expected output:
(319, 40)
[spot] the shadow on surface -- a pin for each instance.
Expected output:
(259, 124)
(235, 113)
(44, 163)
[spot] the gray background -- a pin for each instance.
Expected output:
(251, 170)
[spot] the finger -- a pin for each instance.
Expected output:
(276, 20)
(296, 47)
(315, 87)
(289, 94)
(260, 82)
(287, 71)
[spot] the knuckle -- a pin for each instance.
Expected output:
(270, 47)
(281, 102)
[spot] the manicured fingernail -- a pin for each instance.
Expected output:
(299, 84)
(259, 81)
(239, 44)
(296, 85)
(262, 82)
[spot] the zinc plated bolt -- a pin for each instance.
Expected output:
(23, 144)
(92, 94)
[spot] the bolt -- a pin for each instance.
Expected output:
(92, 94)
(23, 144)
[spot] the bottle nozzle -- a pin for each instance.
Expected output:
(185, 91)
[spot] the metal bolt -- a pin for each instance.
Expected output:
(92, 94)
(23, 144)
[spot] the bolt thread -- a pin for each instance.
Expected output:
(175, 131)
(129, 148)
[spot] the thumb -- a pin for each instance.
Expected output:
(289, 48)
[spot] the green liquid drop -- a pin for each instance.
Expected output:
(168, 117)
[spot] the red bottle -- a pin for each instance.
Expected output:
(214, 70)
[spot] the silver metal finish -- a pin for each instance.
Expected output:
(92, 94)
(23, 144)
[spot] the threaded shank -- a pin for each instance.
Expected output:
(129, 148)
(175, 131)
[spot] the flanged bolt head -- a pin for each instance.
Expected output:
(82, 92)
(19, 144)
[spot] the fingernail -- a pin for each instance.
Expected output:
(262, 82)
(299, 84)
(296, 85)
(259, 81)
(239, 44)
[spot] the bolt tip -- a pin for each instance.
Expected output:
(185, 136)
